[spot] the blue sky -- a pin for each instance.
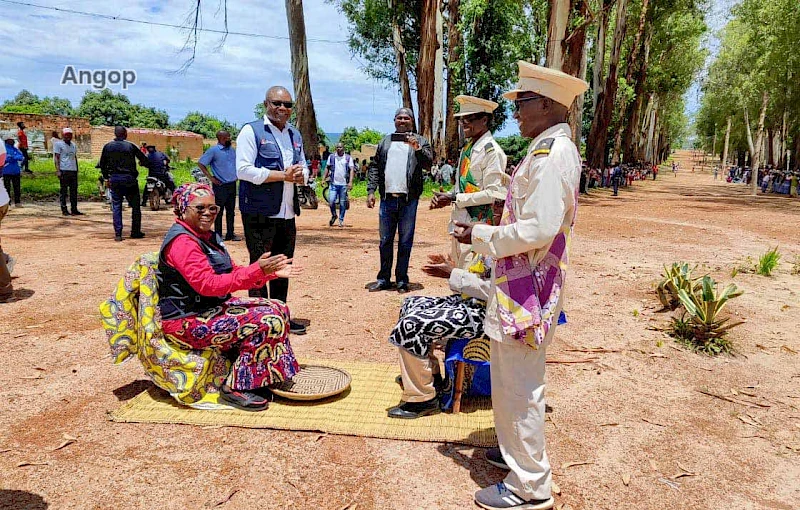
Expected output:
(225, 81)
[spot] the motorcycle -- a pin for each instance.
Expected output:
(326, 194)
(307, 195)
(156, 190)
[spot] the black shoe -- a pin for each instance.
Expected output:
(296, 328)
(402, 288)
(378, 286)
(333, 220)
(233, 237)
(77, 213)
(495, 458)
(64, 212)
(245, 400)
(414, 410)
(118, 237)
(137, 235)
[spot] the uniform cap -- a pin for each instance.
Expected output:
(470, 104)
(560, 87)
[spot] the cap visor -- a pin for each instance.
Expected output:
(512, 94)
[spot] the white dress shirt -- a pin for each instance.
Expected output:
(246, 151)
(341, 169)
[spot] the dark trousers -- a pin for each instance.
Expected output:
(397, 215)
(25, 162)
(615, 184)
(225, 197)
(12, 183)
(125, 187)
(275, 235)
(69, 184)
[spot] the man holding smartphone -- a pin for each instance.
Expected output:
(396, 172)
(270, 163)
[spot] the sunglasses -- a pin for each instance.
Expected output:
(467, 119)
(285, 104)
(212, 209)
(518, 102)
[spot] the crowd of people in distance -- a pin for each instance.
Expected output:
(770, 179)
(616, 176)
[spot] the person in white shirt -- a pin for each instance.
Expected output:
(270, 163)
(530, 248)
(340, 172)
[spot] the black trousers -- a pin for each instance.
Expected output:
(69, 184)
(225, 197)
(275, 235)
(25, 165)
(12, 183)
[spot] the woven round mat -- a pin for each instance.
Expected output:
(314, 382)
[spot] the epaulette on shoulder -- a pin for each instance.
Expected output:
(543, 147)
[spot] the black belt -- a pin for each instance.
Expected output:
(397, 195)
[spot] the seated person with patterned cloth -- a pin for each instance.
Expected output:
(196, 277)
(428, 320)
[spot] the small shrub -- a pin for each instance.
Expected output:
(677, 277)
(701, 325)
(744, 265)
(768, 262)
(796, 265)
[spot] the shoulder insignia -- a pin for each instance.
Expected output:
(489, 148)
(543, 147)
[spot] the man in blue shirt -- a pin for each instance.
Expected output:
(11, 171)
(222, 160)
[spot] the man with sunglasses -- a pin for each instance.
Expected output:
(396, 173)
(270, 163)
(530, 247)
(480, 171)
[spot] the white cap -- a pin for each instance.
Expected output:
(560, 87)
(66, 130)
(470, 104)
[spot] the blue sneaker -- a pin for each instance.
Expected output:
(498, 497)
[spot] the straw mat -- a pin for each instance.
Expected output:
(360, 411)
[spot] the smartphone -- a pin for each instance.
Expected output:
(399, 137)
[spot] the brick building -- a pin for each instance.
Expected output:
(185, 143)
(40, 127)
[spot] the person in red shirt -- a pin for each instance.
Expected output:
(23, 147)
(196, 277)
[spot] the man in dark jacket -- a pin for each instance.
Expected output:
(159, 168)
(396, 173)
(118, 166)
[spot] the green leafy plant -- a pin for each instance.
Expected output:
(701, 325)
(768, 262)
(677, 277)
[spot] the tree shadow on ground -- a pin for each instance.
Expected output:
(412, 287)
(132, 389)
(21, 500)
(20, 295)
(472, 459)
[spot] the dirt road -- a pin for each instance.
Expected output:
(636, 412)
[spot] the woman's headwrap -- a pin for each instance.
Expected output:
(184, 195)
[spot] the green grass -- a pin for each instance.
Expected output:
(768, 262)
(44, 185)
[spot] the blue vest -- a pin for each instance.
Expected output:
(266, 199)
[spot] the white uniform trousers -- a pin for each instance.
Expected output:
(518, 403)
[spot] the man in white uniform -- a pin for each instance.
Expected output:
(480, 171)
(534, 235)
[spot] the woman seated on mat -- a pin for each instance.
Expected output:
(428, 320)
(195, 279)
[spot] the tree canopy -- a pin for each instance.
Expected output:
(206, 125)
(26, 102)
(107, 108)
(353, 139)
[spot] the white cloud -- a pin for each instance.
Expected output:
(226, 81)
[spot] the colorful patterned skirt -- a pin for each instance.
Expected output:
(255, 330)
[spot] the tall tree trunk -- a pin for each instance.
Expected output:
(727, 141)
(574, 64)
(783, 141)
(642, 130)
(714, 143)
(400, 56)
(631, 136)
(759, 144)
(600, 52)
(438, 88)
(304, 104)
(633, 62)
(596, 143)
(426, 67)
(749, 132)
(556, 32)
(455, 76)
(769, 148)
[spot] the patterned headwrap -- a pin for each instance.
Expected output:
(184, 195)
